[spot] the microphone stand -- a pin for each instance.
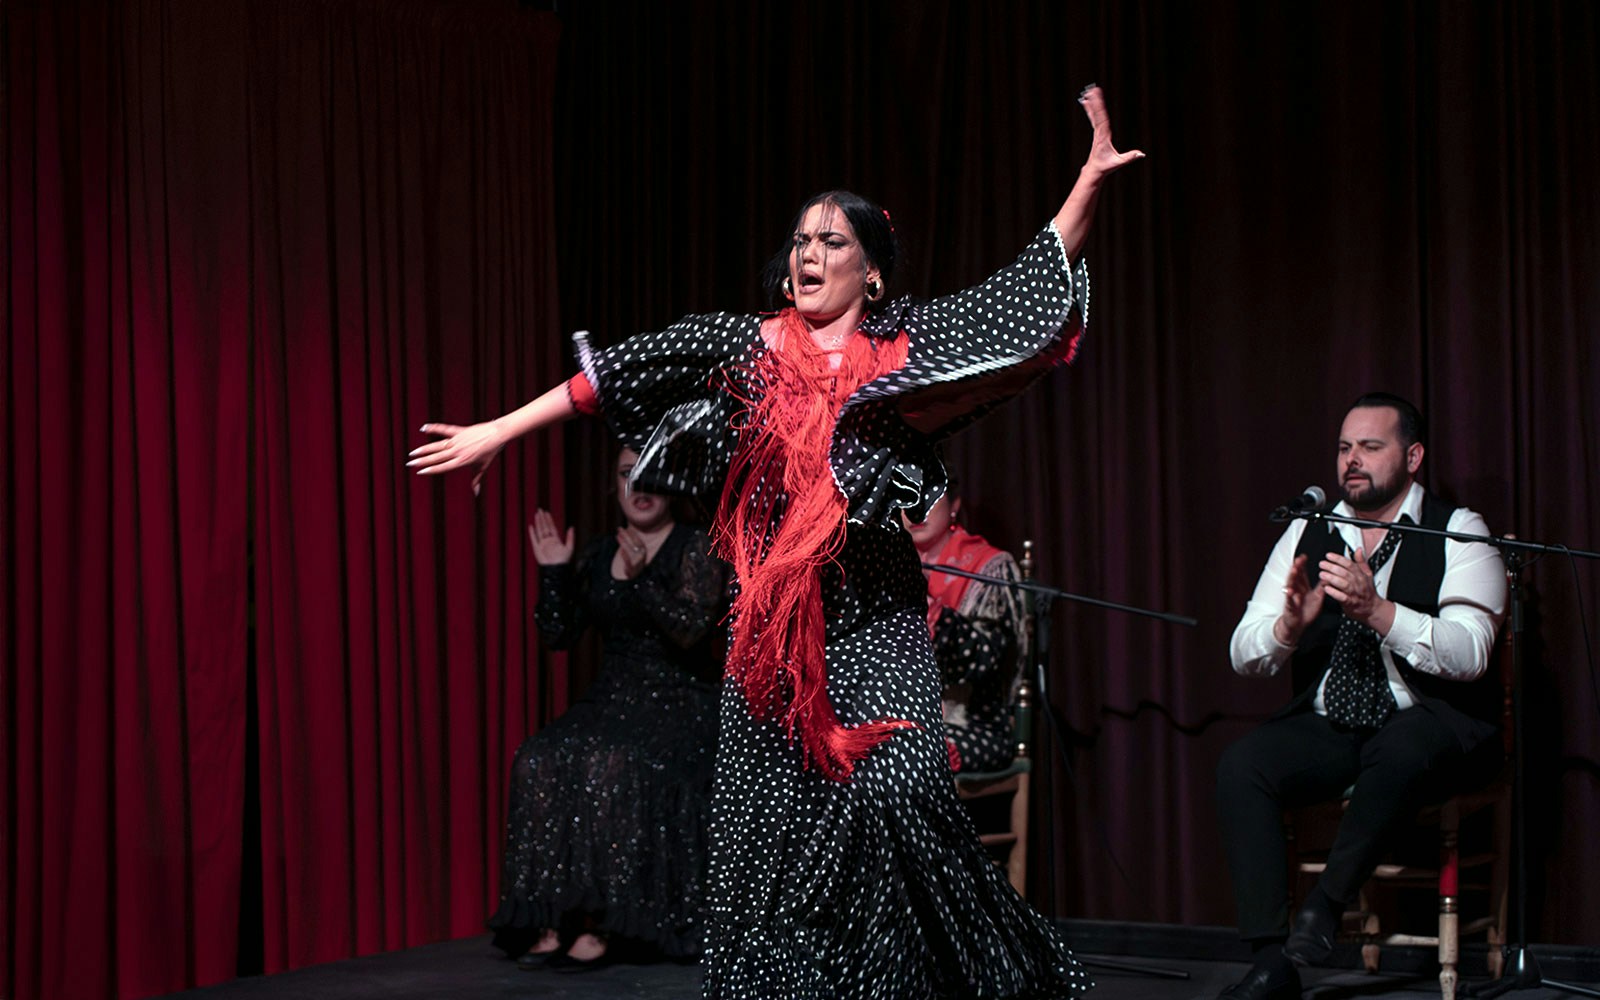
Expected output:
(1038, 625)
(1521, 968)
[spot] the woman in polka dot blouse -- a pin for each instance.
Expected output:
(977, 632)
(842, 864)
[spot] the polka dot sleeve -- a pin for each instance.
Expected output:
(968, 353)
(1007, 331)
(662, 394)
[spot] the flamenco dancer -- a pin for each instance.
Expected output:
(842, 864)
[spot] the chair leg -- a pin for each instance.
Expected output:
(1370, 953)
(1449, 889)
(1017, 863)
(1448, 976)
(1370, 929)
(1499, 880)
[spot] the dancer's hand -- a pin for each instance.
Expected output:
(1301, 604)
(550, 548)
(632, 550)
(1077, 212)
(1103, 156)
(459, 447)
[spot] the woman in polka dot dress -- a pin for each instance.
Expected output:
(842, 864)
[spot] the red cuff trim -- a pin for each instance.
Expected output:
(581, 393)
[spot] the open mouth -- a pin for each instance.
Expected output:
(809, 281)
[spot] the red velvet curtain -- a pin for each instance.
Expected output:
(249, 248)
(402, 227)
(124, 502)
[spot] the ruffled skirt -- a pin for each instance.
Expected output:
(875, 888)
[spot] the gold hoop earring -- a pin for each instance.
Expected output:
(788, 289)
(874, 290)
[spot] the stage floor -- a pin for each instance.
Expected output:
(471, 968)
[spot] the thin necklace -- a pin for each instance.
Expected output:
(837, 342)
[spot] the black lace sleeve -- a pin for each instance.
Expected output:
(971, 650)
(688, 604)
(562, 613)
(979, 644)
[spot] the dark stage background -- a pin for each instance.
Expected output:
(261, 688)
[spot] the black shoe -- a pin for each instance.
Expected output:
(566, 963)
(532, 962)
(1276, 981)
(1311, 935)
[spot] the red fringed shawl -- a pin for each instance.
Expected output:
(781, 519)
(962, 550)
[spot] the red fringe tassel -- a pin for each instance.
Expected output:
(780, 521)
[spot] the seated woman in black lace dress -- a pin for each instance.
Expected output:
(977, 635)
(606, 831)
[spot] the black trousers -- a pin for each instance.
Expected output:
(1303, 758)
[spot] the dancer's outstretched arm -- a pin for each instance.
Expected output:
(476, 445)
(1077, 212)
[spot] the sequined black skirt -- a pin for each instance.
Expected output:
(606, 828)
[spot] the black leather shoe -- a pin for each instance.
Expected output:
(532, 962)
(566, 963)
(1278, 981)
(1311, 935)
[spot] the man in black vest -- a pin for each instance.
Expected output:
(1388, 637)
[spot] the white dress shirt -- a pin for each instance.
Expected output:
(1455, 645)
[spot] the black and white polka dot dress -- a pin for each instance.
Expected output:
(876, 887)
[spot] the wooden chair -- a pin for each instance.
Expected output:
(1489, 868)
(1012, 780)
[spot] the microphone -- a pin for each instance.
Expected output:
(1311, 498)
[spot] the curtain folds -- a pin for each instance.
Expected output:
(249, 249)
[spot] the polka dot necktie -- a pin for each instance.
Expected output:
(1358, 693)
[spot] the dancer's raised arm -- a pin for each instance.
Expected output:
(478, 444)
(1077, 212)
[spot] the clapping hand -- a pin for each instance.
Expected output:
(1348, 580)
(632, 551)
(550, 547)
(1301, 604)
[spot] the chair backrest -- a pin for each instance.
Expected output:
(1022, 707)
(1022, 718)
